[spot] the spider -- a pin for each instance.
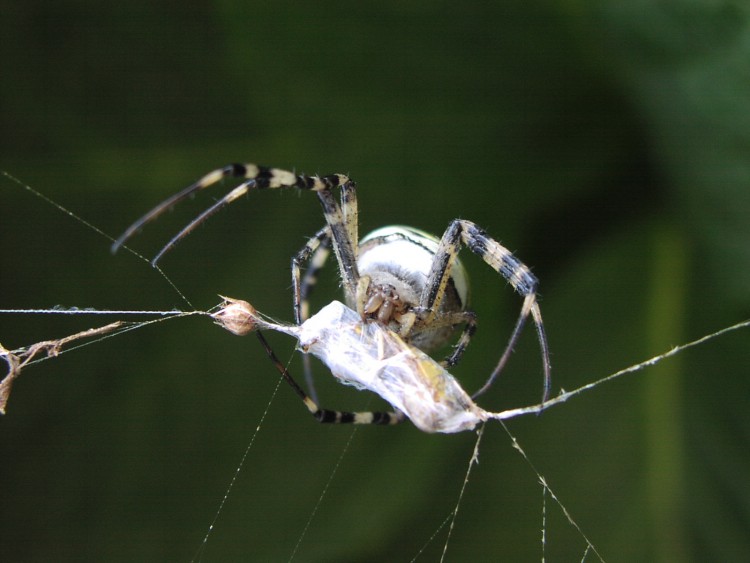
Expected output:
(408, 281)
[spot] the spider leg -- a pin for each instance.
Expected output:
(508, 266)
(325, 415)
(316, 251)
(350, 212)
(469, 320)
(256, 177)
(342, 220)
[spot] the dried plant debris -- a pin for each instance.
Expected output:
(18, 359)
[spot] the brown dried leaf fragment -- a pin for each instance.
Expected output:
(18, 359)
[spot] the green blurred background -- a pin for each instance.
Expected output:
(608, 143)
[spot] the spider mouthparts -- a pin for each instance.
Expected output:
(237, 316)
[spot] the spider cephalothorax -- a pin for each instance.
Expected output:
(408, 281)
(395, 264)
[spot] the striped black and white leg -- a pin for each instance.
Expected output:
(326, 415)
(465, 233)
(258, 177)
(315, 253)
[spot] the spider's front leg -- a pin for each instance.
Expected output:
(461, 232)
(343, 224)
(341, 232)
(256, 177)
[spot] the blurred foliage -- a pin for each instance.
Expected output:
(607, 142)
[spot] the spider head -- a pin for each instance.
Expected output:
(383, 303)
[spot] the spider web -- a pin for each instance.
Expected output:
(20, 359)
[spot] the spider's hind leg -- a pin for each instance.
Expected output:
(325, 415)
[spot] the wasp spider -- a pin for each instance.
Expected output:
(406, 280)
